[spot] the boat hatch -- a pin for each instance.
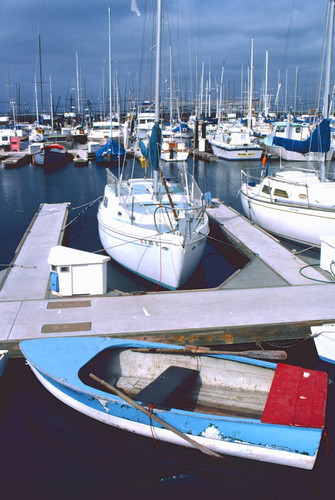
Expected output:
(297, 397)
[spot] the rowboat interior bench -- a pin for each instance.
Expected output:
(169, 388)
(288, 395)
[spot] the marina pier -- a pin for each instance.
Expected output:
(268, 299)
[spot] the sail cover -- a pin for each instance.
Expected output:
(317, 142)
(153, 152)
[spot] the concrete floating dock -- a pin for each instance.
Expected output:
(270, 262)
(280, 304)
(28, 276)
(17, 159)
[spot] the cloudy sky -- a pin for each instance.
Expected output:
(213, 32)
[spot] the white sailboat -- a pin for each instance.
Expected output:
(235, 142)
(298, 204)
(155, 227)
(293, 131)
(173, 148)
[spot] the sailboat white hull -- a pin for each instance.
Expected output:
(301, 224)
(163, 259)
(287, 155)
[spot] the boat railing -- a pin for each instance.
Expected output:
(250, 180)
(187, 181)
(126, 196)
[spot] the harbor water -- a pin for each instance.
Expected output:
(49, 451)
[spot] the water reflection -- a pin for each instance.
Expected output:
(22, 190)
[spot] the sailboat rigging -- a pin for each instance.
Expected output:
(298, 204)
(111, 152)
(155, 227)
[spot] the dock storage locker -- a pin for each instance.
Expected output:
(75, 272)
(327, 254)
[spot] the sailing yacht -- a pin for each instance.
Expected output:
(298, 205)
(155, 227)
(279, 142)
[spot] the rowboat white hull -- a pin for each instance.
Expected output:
(241, 450)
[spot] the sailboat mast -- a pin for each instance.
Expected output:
(171, 96)
(78, 88)
(251, 86)
(41, 80)
(326, 96)
(51, 107)
(329, 52)
(266, 100)
(157, 88)
(36, 101)
(110, 70)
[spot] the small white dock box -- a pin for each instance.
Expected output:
(93, 146)
(75, 272)
(327, 255)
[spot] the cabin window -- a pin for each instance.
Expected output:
(266, 189)
(64, 269)
(280, 129)
(281, 193)
(53, 268)
(302, 196)
(298, 129)
(105, 201)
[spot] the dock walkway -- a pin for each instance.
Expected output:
(28, 276)
(279, 265)
(281, 310)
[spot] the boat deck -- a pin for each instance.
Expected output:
(241, 310)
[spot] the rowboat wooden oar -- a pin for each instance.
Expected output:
(195, 350)
(153, 416)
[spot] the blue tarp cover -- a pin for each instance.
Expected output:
(318, 142)
(153, 152)
(111, 148)
(182, 127)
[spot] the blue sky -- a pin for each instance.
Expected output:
(218, 31)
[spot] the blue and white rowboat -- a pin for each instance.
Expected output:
(230, 404)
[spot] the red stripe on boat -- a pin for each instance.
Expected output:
(297, 397)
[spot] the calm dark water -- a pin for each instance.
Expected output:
(23, 190)
(49, 451)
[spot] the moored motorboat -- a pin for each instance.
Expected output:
(235, 143)
(174, 150)
(51, 155)
(230, 405)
